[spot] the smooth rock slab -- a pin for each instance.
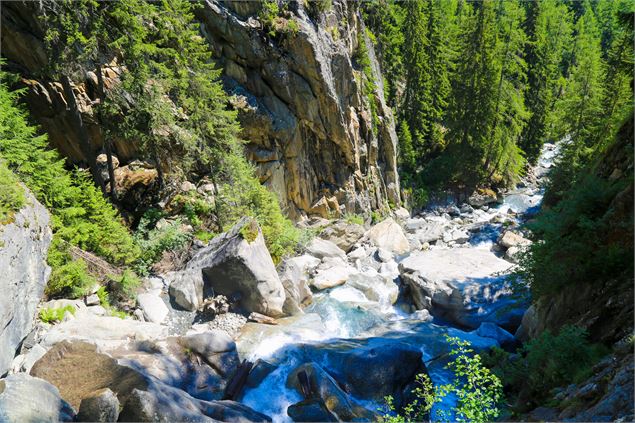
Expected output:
(331, 277)
(461, 285)
(322, 248)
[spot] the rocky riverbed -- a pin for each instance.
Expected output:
(232, 337)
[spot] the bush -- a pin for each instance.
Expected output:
(12, 197)
(478, 391)
(52, 315)
(354, 218)
(551, 361)
(154, 241)
(69, 278)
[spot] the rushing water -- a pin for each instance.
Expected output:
(345, 313)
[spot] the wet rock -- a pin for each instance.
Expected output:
(459, 236)
(461, 285)
(389, 235)
(24, 244)
(101, 406)
(343, 234)
(322, 248)
(394, 365)
(331, 277)
(24, 398)
(320, 385)
(295, 277)
(512, 254)
(493, 331)
(154, 309)
(185, 290)
(312, 410)
(375, 287)
(216, 347)
(482, 199)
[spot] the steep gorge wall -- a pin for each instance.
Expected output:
(309, 127)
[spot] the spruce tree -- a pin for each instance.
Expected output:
(549, 25)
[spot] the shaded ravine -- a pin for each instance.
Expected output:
(343, 320)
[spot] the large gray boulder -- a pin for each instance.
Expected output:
(463, 285)
(154, 309)
(101, 406)
(216, 348)
(186, 289)
(24, 245)
(389, 235)
(322, 248)
(24, 398)
(238, 265)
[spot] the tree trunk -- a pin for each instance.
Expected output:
(107, 143)
(84, 140)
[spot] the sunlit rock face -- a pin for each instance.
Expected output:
(310, 129)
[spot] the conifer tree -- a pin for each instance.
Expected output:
(549, 25)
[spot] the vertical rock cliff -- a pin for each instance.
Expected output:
(321, 141)
(24, 245)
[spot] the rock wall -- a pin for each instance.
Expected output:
(24, 245)
(310, 129)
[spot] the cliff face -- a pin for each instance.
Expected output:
(310, 129)
(24, 245)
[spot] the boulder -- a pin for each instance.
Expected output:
(24, 363)
(401, 214)
(493, 331)
(238, 265)
(482, 199)
(394, 365)
(101, 406)
(512, 254)
(511, 239)
(331, 277)
(24, 244)
(389, 235)
(154, 309)
(216, 348)
(322, 248)
(311, 410)
(321, 386)
(343, 234)
(295, 277)
(462, 285)
(185, 290)
(24, 398)
(375, 287)
(460, 236)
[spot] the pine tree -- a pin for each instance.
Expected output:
(549, 26)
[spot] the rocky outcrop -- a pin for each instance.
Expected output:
(389, 235)
(313, 135)
(24, 245)
(311, 129)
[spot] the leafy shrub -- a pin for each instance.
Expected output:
(52, 315)
(154, 241)
(478, 391)
(126, 284)
(551, 361)
(69, 277)
(11, 195)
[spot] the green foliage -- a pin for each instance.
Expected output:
(80, 214)
(319, 7)
(54, 315)
(478, 391)
(154, 241)
(354, 218)
(368, 84)
(578, 239)
(242, 195)
(69, 277)
(547, 362)
(249, 231)
(12, 197)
